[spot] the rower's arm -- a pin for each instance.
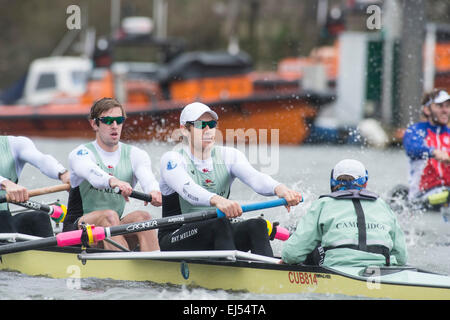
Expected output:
(241, 168)
(142, 169)
(414, 143)
(25, 151)
(83, 167)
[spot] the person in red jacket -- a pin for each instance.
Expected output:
(427, 145)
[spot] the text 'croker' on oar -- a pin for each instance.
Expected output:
(95, 234)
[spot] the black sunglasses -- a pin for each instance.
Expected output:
(199, 124)
(110, 120)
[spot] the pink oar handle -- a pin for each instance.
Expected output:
(71, 238)
(282, 234)
(59, 213)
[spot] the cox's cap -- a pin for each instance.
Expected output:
(349, 167)
(194, 110)
(441, 97)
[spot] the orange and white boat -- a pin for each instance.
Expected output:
(59, 91)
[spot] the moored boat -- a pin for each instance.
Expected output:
(252, 118)
(58, 91)
(229, 270)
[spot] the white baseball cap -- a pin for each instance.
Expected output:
(349, 167)
(194, 110)
(441, 97)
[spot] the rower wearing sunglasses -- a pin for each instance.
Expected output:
(100, 166)
(199, 177)
(427, 145)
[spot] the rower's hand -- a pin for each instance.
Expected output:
(292, 197)
(125, 187)
(65, 177)
(156, 199)
(230, 208)
(15, 192)
(441, 155)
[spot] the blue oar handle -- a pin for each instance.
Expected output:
(258, 206)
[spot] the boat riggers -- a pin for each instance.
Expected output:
(95, 234)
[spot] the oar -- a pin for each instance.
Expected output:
(47, 190)
(259, 206)
(95, 234)
(39, 191)
(273, 229)
(56, 212)
(137, 195)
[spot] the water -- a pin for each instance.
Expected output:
(305, 168)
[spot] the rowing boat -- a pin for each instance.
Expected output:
(227, 270)
(61, 257)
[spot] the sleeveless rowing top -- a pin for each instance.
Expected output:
(85, 198)
(217, 181)
(7, 166)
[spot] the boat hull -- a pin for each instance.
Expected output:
(240, 275)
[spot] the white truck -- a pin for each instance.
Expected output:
(54, 77)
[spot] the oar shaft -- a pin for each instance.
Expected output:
(99, 233)
(95, 234)
(28, 245)
(40, 191)
(56, 212)
(187, 218)
(258, 206)
(264, 205)
(36, 206)
(47, 190)
(162, 222)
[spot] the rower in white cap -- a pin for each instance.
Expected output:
(199, 177)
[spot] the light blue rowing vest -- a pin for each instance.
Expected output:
(7, 166)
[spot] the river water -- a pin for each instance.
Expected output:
(305, 168)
